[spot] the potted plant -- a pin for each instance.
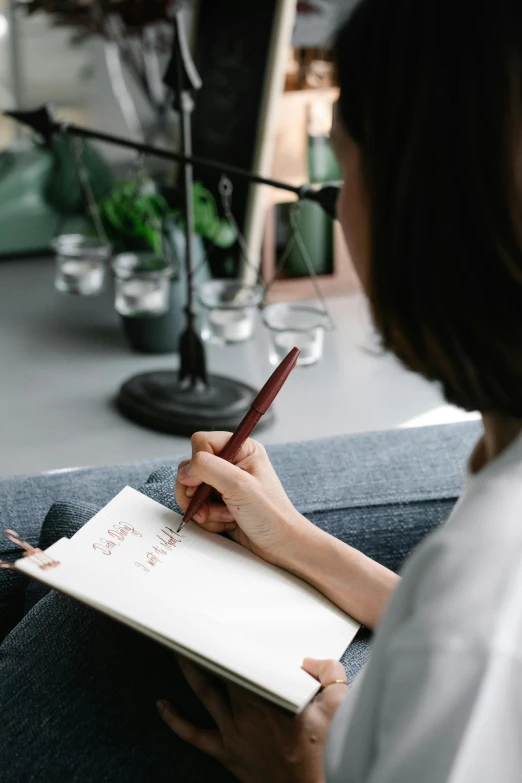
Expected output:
(140, 219)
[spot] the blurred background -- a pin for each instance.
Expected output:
(38, 58)
(93, 261)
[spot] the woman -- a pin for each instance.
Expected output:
(428, 135)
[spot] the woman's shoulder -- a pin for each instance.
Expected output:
(462, 579)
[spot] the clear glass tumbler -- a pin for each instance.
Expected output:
(229, 310)
(142, 284)
(295, 325)
(81, 264)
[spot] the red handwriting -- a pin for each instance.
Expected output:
(167, 540)
(118, 533)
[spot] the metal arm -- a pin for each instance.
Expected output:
(42, 121)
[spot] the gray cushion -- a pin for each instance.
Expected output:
(379, 491)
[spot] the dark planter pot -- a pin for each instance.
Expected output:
(160, 334)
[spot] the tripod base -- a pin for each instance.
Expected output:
(158, 401)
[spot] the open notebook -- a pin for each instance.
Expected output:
(200, 594)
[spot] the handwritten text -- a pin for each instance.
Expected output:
(116, 535)
(166, 541)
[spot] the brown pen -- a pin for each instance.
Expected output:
(258, 408)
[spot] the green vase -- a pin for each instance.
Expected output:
(316, 229)
(314, 225)
(160, 334)
(157, 334)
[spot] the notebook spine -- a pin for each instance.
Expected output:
(43, 560)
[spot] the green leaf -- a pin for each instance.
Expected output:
(136, 209)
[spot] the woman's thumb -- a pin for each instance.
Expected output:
(332, 676)
(224, 477)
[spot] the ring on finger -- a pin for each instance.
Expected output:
(333, 682)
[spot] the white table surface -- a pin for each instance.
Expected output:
(63, 358)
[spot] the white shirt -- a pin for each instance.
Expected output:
(441, 697)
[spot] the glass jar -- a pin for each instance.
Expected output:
(81, 264)
(229, 310)
(142, 284)
(295, 325)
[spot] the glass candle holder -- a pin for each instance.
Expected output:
(295, 325)
(81, 264)
(229, 310)
(142, 284)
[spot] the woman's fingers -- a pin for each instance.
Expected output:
(214, 517)
(225, 477)
(210, 742)
(213, 512)
(215, 442)
(217, 527)
(325, 671)
(179, 490)
(204, 467)
(207, 691)
(328, 673)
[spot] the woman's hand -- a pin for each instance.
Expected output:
(254, 740)
(253, 508)
(255, 511)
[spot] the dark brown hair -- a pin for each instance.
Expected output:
(431, 91)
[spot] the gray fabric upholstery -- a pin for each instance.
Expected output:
(365, 469)
(368, 475)
(78, 689)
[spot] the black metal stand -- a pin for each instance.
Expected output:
(158, 401)
(42, 122)
(189, 400)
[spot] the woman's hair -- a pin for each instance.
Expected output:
(431, 90)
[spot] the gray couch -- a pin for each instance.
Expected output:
(369, 490)
(78, 690)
